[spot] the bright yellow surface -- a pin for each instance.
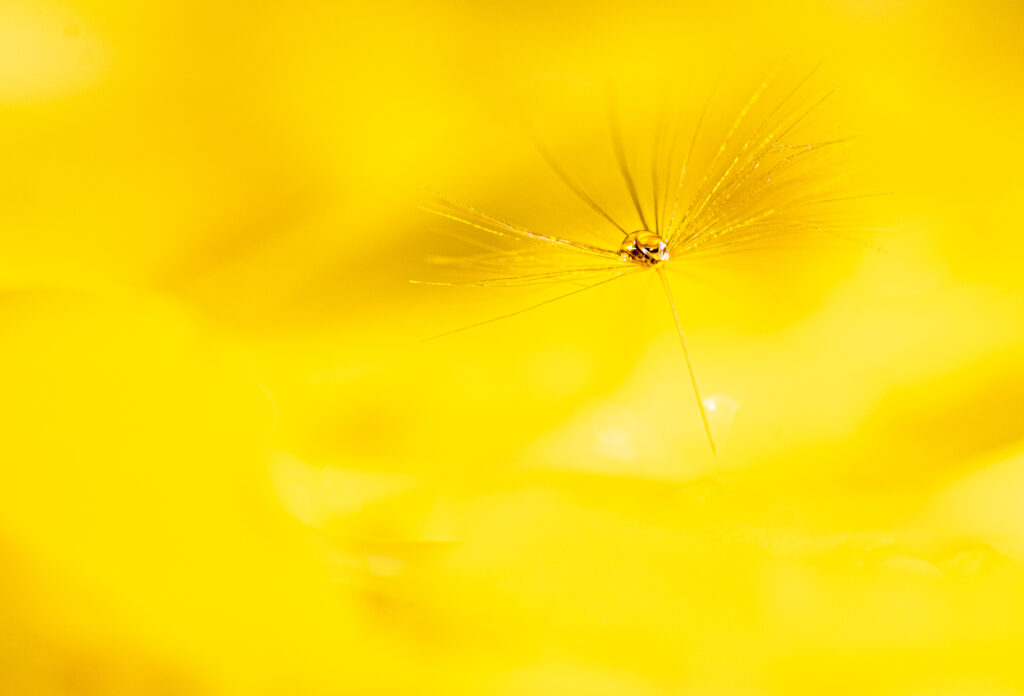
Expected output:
(228, 465)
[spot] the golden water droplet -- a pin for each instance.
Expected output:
(644, 246)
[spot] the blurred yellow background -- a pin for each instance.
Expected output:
(228, 465)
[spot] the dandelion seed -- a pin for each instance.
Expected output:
(761, 186)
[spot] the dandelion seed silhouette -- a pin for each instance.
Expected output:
(755, 190)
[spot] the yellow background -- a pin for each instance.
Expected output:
(228, 465)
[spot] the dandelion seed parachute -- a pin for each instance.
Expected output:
(762, 185)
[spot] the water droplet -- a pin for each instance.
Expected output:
(644, 247)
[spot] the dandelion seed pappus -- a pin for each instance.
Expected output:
(761, 186)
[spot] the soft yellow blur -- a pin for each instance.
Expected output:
(228, 465)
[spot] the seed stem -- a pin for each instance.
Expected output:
(686, 356)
